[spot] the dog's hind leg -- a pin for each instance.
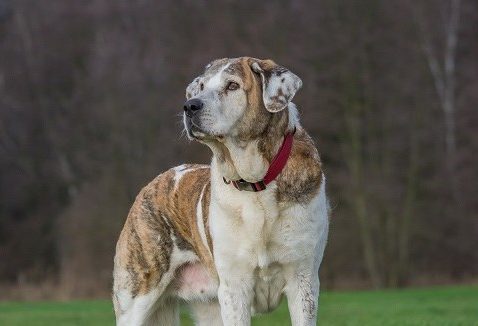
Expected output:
(134, 311)
(145, 309)
(145, 263)
(206, 313)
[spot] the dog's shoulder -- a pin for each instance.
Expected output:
(176, 192)
(176, 181)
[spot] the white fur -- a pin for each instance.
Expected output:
(136, 310)
(180, 171)
(217, 81)
(293, 116)
(200, 221)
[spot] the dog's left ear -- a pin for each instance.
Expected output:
(279, 85)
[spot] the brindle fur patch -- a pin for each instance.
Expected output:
(300, 180)
(164, 215)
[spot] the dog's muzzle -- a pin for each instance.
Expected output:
(192, 110)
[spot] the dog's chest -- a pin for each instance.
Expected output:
(253, 231)
(256, 229)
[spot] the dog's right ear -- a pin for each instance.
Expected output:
(279, 84)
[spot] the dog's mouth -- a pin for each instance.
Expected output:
(194, 130)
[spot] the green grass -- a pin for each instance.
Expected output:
(432, 306)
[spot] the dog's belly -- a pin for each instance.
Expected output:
(195, 283)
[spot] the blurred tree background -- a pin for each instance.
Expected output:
(91, 94)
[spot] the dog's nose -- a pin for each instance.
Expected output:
(192, 106)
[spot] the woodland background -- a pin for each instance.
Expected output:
(91, 94)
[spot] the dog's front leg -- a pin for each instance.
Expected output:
(302, 290)
(235, 295)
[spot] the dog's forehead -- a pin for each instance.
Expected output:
(215, 66)
(222, 67)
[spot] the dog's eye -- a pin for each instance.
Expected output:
(232, 86)
(201, 86)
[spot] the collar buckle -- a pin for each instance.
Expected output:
(243, 185)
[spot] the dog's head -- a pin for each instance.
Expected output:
(237, 98)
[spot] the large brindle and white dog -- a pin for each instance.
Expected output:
(221, 237)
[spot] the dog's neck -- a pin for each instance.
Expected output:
(249, 159)
(242, 160)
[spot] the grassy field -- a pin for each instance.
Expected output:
(432, 306)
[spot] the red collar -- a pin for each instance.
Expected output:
(277, 164)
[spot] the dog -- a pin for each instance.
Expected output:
(229, 238)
